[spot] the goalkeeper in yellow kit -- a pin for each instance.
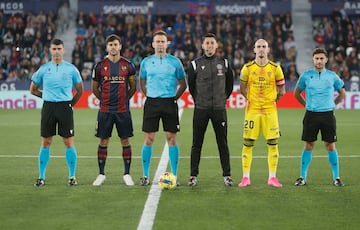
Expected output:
(262, 83)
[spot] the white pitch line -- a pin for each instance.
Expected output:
(149, 212)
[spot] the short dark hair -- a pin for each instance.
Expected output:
(319, 50)
(160, 32)
(113, 37)
(210, 35)
(56, 42)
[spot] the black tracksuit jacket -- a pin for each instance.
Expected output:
(210, 81)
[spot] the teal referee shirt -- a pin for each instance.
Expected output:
(57, 81)
(161, 75)
(319, 88)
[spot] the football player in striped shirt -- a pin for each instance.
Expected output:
(113, 83)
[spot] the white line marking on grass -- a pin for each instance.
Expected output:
(149, 212)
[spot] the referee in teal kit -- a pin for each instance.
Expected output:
(159, 75)
(57, 79)
(320, 85)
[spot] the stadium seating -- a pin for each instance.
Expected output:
(237, 34)
(24, 43)
(339, 34)
(25, 37)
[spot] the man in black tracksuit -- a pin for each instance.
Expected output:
(210, 81)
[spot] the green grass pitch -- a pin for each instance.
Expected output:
(210, 205)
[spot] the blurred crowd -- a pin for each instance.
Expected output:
(24, 43)
(339, 34)
(25, 37)
(237, 34)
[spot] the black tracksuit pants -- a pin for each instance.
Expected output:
(219, 122)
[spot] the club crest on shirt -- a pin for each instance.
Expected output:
(219, 68)
(269, 74)
(105, 68)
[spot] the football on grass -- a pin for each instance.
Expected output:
(167, 181)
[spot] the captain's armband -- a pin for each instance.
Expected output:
(131, 79)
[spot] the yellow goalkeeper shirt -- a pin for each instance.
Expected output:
(261, 85)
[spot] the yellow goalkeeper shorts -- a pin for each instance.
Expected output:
(267, 122)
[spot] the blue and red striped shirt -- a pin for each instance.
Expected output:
(114, 84)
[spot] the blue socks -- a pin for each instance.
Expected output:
(334, 163)
(305, 162)
(332, 157)
(174, 158)
(71, 159)
(44, 157)
(146, 154)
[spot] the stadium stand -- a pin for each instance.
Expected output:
(237, 35)
(24, 42)
(339, 33)
(25, 36)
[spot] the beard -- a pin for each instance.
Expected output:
(209, 53)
